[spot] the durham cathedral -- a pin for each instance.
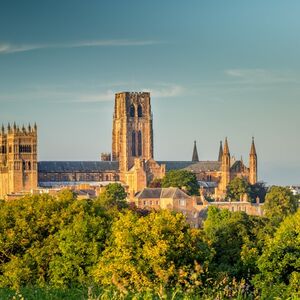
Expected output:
(131, 161)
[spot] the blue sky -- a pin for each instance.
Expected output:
(214, 69)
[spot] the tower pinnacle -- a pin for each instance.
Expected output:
(195, 157)
(226, 148)
(220, 152)
(253, 149)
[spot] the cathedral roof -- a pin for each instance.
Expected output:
(77, 166)
(204, 166)
(175, 165)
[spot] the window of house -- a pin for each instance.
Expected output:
(182, 202)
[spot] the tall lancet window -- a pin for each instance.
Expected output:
(140, 111)
(133, 144)
(131, 111)
(139, 143)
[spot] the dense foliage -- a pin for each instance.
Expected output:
(182, 179)
(102, 248)
(238, 188)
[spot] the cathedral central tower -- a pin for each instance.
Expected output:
(132, 135)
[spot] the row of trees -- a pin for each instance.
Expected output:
(64, 242)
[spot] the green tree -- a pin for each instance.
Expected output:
(237, 188)
(182, 179)
(151, 252)
(259, 190)
(279, 264)
(46, 239)
(114, 195)
(279, 203)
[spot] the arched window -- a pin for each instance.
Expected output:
(139, 143)
(131, 111)
(133, 144)
(140, 111)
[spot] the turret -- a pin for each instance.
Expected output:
(252, 164)
(8, 128)
(195, 157)
(220, 152)
(35, 127)
(2, 129)
(29, 127)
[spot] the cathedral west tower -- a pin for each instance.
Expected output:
(132, 135)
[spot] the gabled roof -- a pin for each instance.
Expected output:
(238, 166)
(77, 166)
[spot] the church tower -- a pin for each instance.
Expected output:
(18, 159)
(132, 135)
(225, 167)
(252, 164)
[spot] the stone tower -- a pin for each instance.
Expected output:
(252, 164)
(132, 135)
(18, 159)
(225, 167)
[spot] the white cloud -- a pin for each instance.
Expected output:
(6, 48)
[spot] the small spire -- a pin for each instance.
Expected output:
(195, 157)
(8, 126)
(252, 150)
(220, 152)
(35, 126)
(2, 129)
(29, 127)
(15, 126)
(23, 128)
(226, 148)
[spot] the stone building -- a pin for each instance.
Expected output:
(18, 159)
(131, 161)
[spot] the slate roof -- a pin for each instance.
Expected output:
(204, 166)
(208, 184)
(77, 166)
(152, 193)
(175, 165)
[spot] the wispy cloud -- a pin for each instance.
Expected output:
(260, 76)
(88, 94)
(165, 91)
(7, 48)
